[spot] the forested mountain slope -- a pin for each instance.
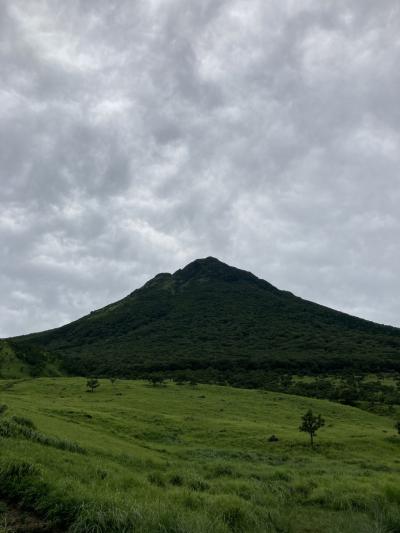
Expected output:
(211, 315)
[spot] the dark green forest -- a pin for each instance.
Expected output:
(221, 323)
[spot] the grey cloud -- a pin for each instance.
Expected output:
(137, 136)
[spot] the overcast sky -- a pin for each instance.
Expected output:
(137, 136)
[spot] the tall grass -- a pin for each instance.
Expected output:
(23, 421)
(221, 475)
(12, 429)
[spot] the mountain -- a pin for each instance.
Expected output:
(209, 315)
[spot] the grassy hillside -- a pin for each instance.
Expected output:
(133, 457)
(213, 316)
(21, 361)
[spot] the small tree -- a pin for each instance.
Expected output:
(397, 426)
(192, 379)
(180, 378)
(113, 381)
(3, 408)
(92, 384)
(156, 379)
(311, 424)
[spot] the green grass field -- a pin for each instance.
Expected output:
(133, 457)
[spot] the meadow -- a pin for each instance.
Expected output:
(184, 459)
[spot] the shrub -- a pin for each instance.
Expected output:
(177, 480)
(156, 379)
(92, 384)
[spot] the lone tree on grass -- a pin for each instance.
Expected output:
(92, 384)
(397, 426)
(156, 379)
(311, 424)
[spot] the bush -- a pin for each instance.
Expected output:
(176, 480)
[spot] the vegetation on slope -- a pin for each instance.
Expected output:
(213, 316)
(187, 459)
(20, 360)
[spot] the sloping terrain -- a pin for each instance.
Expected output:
(21, 360)
(211, 315)
(184, 459)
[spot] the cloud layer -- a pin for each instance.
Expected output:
(137, 136)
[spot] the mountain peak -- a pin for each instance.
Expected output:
(212, 268)
(206, 263)
(210, 260)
